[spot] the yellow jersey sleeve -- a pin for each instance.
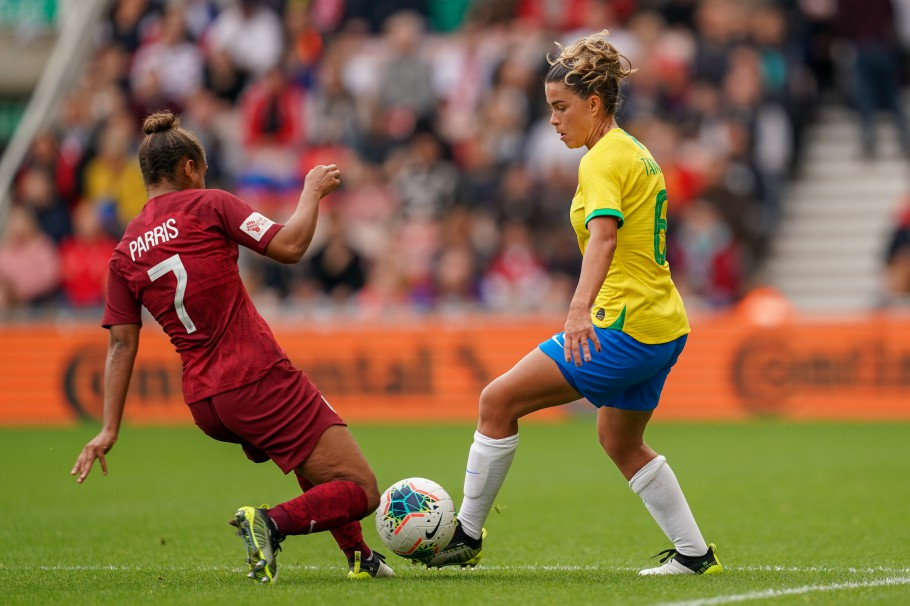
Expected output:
(604, 194)
(618, 177)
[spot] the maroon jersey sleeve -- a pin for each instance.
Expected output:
(122, 306)
(243, 225)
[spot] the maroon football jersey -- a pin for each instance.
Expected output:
(178, 258)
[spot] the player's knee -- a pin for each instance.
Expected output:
(372, 493)
(619, 448)
(495, 405)
(366, 481)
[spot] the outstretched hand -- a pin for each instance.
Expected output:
(95, 449)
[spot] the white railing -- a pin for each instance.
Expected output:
(77, 36)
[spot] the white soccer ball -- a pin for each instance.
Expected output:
(415, 518)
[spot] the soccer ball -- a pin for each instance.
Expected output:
(415, 518)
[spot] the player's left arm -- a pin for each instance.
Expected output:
(123, 344)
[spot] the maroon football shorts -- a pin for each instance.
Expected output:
(279, 417)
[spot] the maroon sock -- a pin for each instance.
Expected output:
(348, 536)
(350, 539)
(323, 507)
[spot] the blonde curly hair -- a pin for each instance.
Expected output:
(591, 66)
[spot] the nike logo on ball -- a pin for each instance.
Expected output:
(432, 534)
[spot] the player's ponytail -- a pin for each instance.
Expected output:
(591, 66)
(164, 146)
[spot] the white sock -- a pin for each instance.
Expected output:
(488, 463)
(657, 486)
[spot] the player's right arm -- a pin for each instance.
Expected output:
(123, 344)
(292, 240)
(595, 263)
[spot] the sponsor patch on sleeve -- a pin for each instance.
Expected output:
(256, 225)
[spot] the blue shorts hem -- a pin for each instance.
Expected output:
(559, 364)
(625, 374)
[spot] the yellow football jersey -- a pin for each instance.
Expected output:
(618, 177)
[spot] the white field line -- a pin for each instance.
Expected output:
(482, 567)
(776, 593)
(765, 594)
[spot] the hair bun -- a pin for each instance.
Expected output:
(160, 122)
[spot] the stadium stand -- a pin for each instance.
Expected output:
(455, 190)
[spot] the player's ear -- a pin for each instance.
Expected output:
(594, 104)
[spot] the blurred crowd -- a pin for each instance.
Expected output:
(455, 190)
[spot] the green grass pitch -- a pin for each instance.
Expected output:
(801, 512)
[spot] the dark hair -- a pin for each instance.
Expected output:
(591, 66)
(164, 145)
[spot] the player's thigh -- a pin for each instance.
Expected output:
(207, 419)
(283, 415)
(534, 383)
(337, 456)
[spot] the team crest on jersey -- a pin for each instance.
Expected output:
(256, 225)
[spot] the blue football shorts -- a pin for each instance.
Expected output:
(625, 373)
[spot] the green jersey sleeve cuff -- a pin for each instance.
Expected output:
(605, 212)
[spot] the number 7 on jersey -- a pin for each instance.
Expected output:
(174, 264)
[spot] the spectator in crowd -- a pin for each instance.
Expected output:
(272, 112)
(706, 248)
(37, 191)
(455, 271)
(464, 62)
(425, 180)
(897, 261)
(251, 35)
(405, 96)
(507, 110)
(171, 61)
(112, 178)
(331, 111)
(29, 261)
(869, 27)
(336, 267)
(516, 276)
(130, 21)
(272, 125)
(199, 15)
(220, 76)
(718, 24)
(214, 126)
(436, 115)
(84, 257)
(386, 293)
(53, 157)
(304, 43)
